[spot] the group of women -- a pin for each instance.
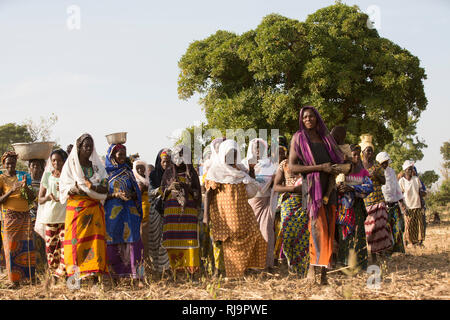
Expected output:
(241, 215)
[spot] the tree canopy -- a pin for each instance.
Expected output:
(332, 60)
(13, 133)
(445, 151)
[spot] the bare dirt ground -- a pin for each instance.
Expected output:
(421, 273)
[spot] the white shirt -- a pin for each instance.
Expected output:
(411, 192)
(52, 212)
(391, 190)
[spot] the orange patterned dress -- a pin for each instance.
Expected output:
(233, 222)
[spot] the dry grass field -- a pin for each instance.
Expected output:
(421, 273)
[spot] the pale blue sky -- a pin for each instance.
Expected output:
(119, 71)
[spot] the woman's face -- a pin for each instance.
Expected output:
(368, 153)
(57, 162)
(356, 156)
(86, 148)
(165, 162)
(36, 170)
(259, 150)
(281, 154)
(309, 119)
(10, 164)
(409, 172)
(140, 168)
(121, 156)
(385, 164)
(231, 157)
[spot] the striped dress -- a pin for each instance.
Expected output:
(378, 234)
(181, 232)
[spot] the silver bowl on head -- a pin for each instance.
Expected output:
(116, 138)
(34, 150)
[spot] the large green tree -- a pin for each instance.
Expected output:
(406, 145)
(260, 79)
(428, 178)
(13, 133)
(445, 151)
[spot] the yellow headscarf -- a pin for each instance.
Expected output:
(366, 141)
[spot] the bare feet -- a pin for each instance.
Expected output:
(323, 276)
(311, 277)
(13, 285)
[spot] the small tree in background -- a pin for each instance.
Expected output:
(42, 130)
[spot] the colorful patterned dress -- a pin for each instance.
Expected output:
(53, 217)
(392, 195)
(17, 230)
(378, 234)
(322, 229)
(145, 223)
(351, 217)
(294, 226)
(123, 221)
(85, 234)
(233, 222)
(39, 243)
(181, 232)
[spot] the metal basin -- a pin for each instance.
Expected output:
(33, 150)
(116, 138)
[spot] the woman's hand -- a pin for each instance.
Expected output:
(174, 186)
(344, 188)
(402, 206)
(141, 186)
(49, 197)
(121, 195)
(326, 167)
(53, 197)
(88, 183)
(74, 190)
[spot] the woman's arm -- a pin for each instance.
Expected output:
(208, 195)
(100, 189)
(41, 197)
(298, 168)
(5, 197)
(364, 189)
(278, 185)
(29, 191)
(378, 175)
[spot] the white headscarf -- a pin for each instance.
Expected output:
(221, 172)
(382, 157)
(407, 164)
(178, 159)
(39, 227)
(263, 166)
(72, 172)
(139, 178)
(213, 151)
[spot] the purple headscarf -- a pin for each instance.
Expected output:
(303, 150)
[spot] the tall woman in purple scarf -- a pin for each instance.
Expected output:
(312, 153)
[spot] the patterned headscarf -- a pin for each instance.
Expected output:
(111, 164)
(366, 141)
(192, 179)
(304, 153)
(8, 154)
(156, 175)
